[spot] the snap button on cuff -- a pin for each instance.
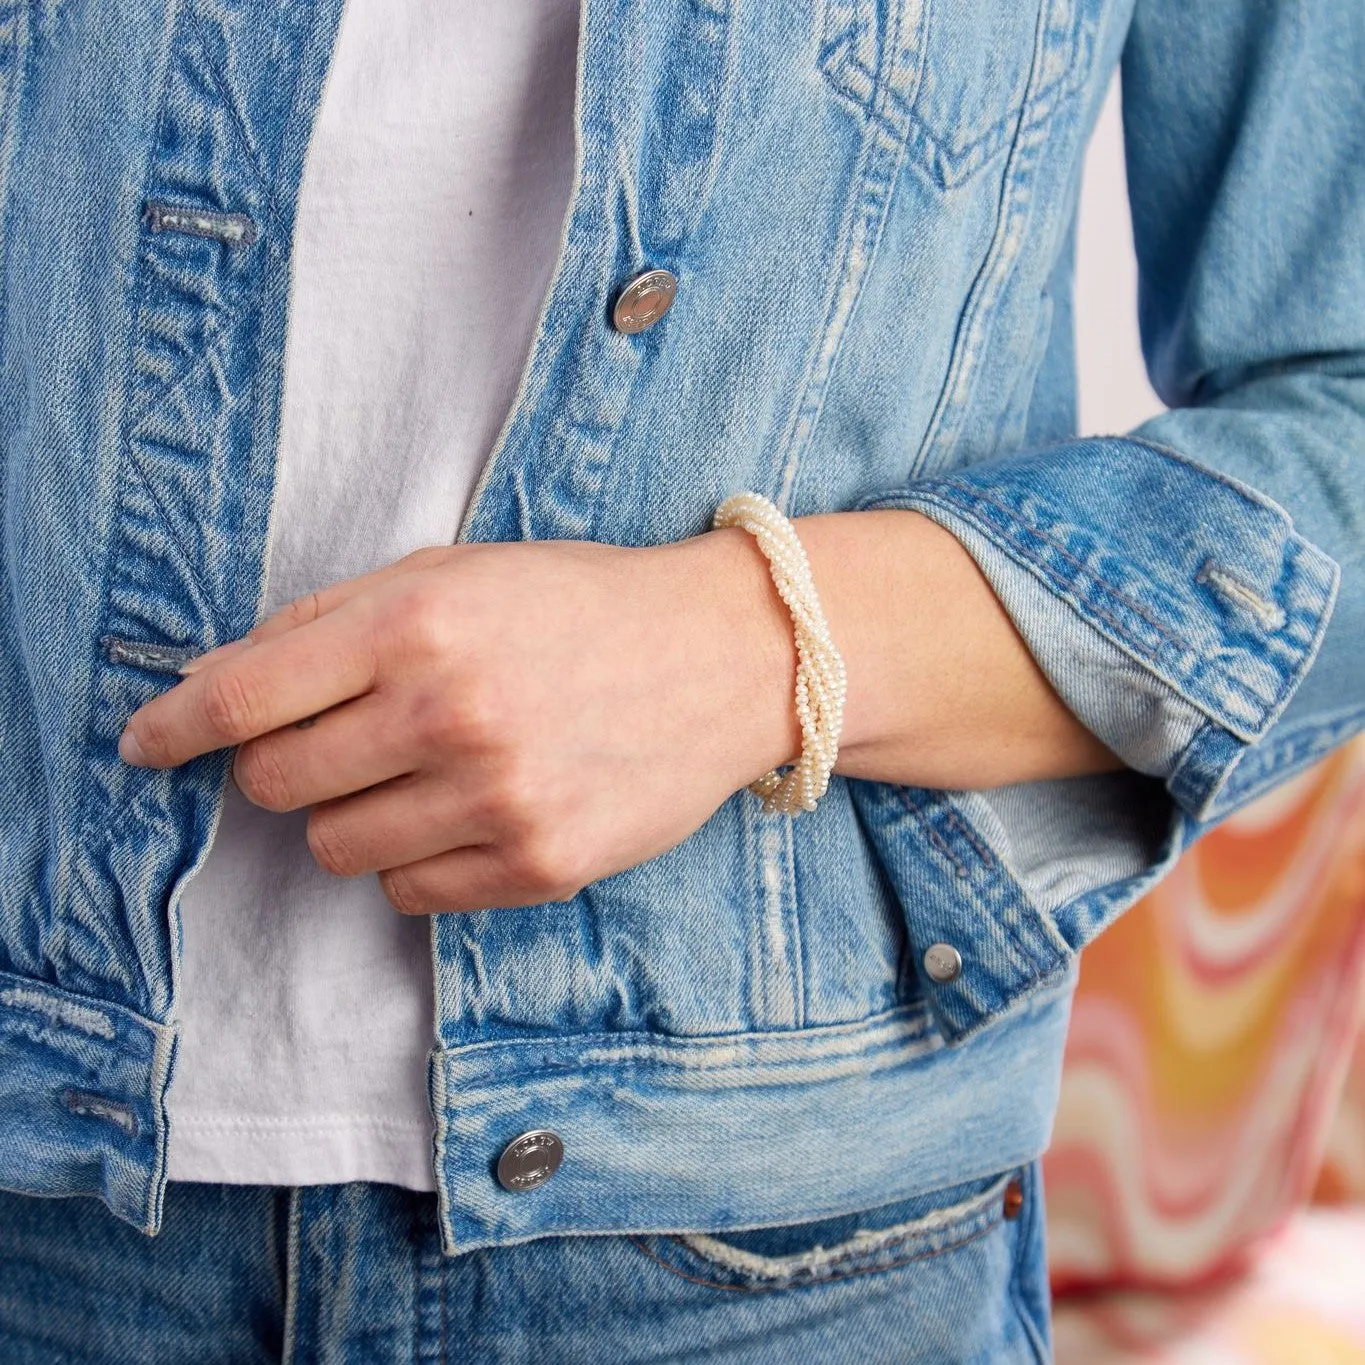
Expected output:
(644, 301)
(530, 1160)
(942, 963)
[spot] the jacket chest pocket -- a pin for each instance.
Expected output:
(957, 75)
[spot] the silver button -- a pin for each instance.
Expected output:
(943, 963)
(530, 1160)
(644, 301)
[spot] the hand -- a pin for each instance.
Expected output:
(502, 724)
(498, 725)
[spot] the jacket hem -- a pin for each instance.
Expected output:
(82, 1099)
(667, 1134)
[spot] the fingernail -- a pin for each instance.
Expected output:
(130, 751)
(211, 656)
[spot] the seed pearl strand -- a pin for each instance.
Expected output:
(821, 682)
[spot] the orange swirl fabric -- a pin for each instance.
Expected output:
(1212, 1042)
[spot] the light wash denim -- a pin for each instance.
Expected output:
(869, 208)
(354, 1275)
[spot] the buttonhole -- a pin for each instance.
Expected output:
(1267, 614)
(153, 658)
(232, 229)
(97, 1107)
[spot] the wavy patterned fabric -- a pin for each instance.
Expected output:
(1342, 1176)
(1212, 1038)
(1302, 1304)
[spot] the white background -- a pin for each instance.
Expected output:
(1114, 393)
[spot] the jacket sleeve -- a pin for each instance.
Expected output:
(1195, 589)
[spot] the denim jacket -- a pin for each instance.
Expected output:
(869, 208)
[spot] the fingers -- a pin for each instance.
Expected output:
(213, 656)
(304, 610)
(408, 820)
(460, 880)
(476, 878)
(347, 749)
(438, 848)
(255, 690)
(300, 612)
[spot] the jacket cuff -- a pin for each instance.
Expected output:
(1174, 609)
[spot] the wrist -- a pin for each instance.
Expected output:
(748, 642)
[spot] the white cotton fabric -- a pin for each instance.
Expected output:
(428, 226)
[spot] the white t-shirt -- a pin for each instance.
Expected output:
(428, 226)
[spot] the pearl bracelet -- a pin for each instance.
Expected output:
(821, 682)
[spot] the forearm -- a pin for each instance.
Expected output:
(942, 691)
(502, 724)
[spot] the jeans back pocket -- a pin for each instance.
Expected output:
(831, 1249)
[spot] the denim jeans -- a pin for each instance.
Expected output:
(355, 1273)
